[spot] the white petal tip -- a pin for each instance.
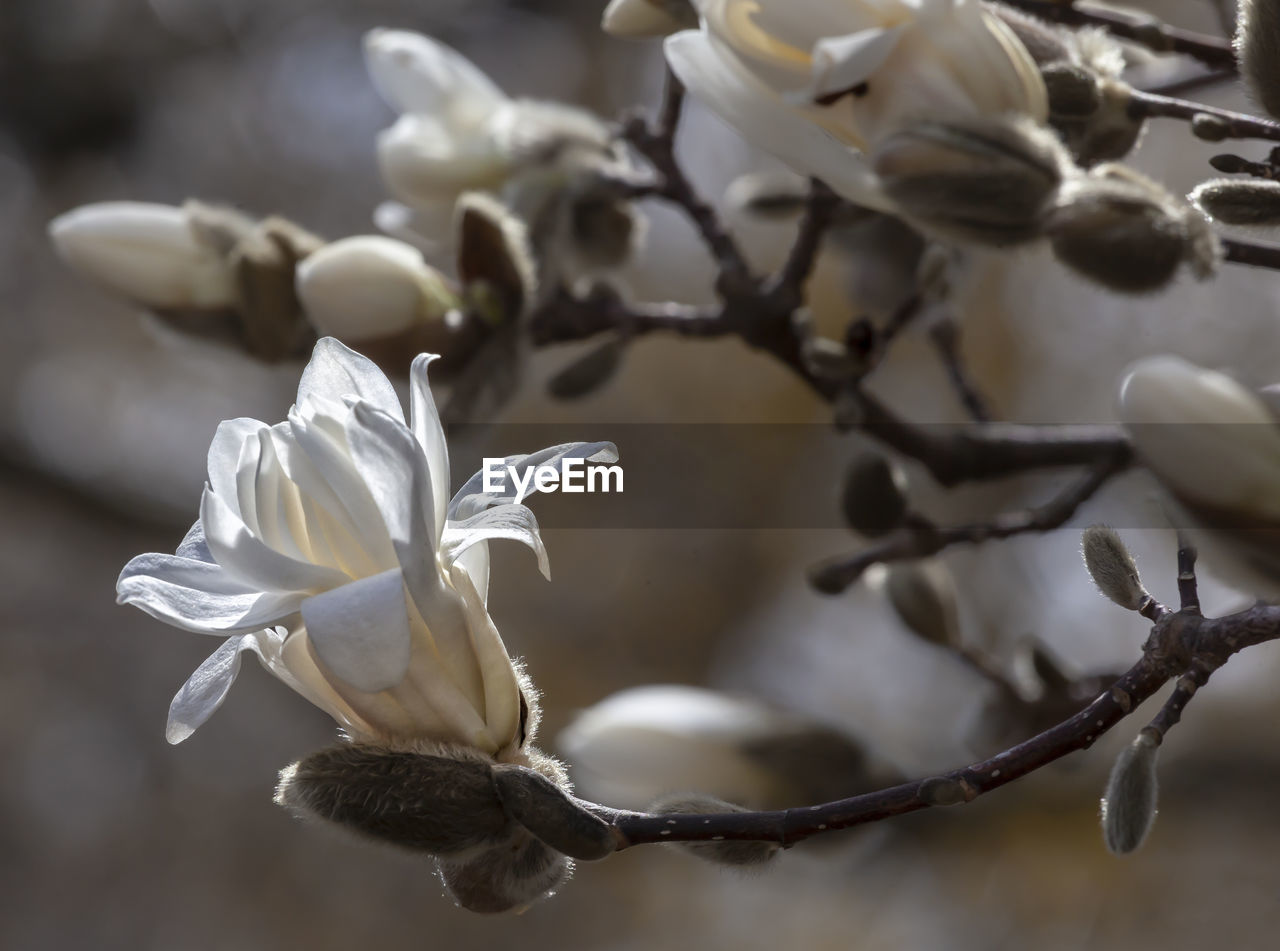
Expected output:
(641, 18)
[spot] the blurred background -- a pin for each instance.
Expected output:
(111, 839)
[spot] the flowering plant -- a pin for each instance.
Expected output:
(325, 546)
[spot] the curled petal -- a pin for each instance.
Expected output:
(414, 73)
(336, 371)
(224, 460)
(767, 122)
(361, 631)
(248, 559)
(501, 690)
(472, 497)
(200, 596)
(425, 420)
(513, 521)
(205, 689)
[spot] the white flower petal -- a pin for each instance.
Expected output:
(501, 689)
(511, 521)
(842, 62)
(393, 465)
(199, 596)
(768, 123)
(424, 419)
(472, 498)
(224, 461)
(193, 545)
(205, 689)
(414, 73)
(474, 560)
(146, 252)
(336, 371)
(425, 164)
(361, 631)
(248, 559)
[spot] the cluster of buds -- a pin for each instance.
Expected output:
(556, 167)
(271, 288)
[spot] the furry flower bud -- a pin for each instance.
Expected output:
(1112, 568)
(1128, 233)
(1236, 201)
(507, 877)
(149, 253)
(727, 852)
(1129, 806)
(371, 286)
(1258, 50)
(986, 181)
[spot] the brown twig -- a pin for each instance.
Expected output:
(1233, 125)
(946, 340)
(1142, 29)
(923, 540)
(1198, 644)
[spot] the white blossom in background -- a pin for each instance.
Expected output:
(768, 66)
(646, 742)
(637, 18)
(371, 286)
(325, 545)
(1214, 445)
(459, 132)
(153, 254)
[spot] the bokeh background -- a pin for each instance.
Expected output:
(111, 839)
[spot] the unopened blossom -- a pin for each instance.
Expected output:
(1214, 444)
(156, 255)
(326, 545)
(634, 18)
(815, 82)
(371, 286)
(646, 742)
(459, 132)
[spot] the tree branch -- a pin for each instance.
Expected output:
(1145, 30)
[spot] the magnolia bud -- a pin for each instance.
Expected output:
(1073, 90)
(1106, 132)
(493, 259)
(726, 852)
(1045, 43)
(1258, 50)
(1210, 128)
(989, 181)
(1112, 567)
(648, 17)
(1129, 806)
(544, 808)
(441, 800)
(1213, 442)
(875, 495)
(370, 286)
(924, 597)
(604, 231)
(265, 262)
(1129, 234)
(1236, 201)
(508, 876)
(149, 253)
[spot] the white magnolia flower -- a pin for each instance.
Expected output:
(153, 254)
(1215, 446)
(371, 286)
(812, 80)
(459, 132)
(325, 545)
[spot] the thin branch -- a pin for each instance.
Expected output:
(946, 340)
(1234, 125)
(819, 213)
(1236, 251)
(1205, 644)
(922, 540)
(1143, 29)
(1188, 589)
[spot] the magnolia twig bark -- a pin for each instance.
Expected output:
(1139, 28)
(1182, 645)
(1234, 125)
(923, 540)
